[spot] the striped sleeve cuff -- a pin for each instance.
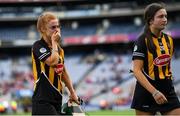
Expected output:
(138, 54)
(44, 56)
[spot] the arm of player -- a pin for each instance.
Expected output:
(68, 83)
(53, 59)
(137, 70)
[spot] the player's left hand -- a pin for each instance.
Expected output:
(160, 98)
(74, 98)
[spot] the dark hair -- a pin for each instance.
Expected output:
(149, 14)
(151, 10)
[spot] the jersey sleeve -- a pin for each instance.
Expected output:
(41, 52)
(139, 50)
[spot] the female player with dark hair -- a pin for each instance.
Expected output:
(152, 54)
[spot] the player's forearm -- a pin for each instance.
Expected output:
(143, 81)
(54, 58)
(68, 81)
(55, 54)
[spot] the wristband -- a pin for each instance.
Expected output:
(53, 50)
(155, 93)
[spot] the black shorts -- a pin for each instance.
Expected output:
(45, 108)
(144, 101)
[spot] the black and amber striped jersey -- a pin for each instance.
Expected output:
(156, 63)
(46, 78)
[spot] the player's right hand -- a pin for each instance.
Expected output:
(56, 36)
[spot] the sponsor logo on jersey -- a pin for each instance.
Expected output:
(59, 68)
(162, 60)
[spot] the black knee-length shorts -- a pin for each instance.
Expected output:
(45, 108)
(144, 101)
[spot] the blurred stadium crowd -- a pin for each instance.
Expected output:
(98, 40)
